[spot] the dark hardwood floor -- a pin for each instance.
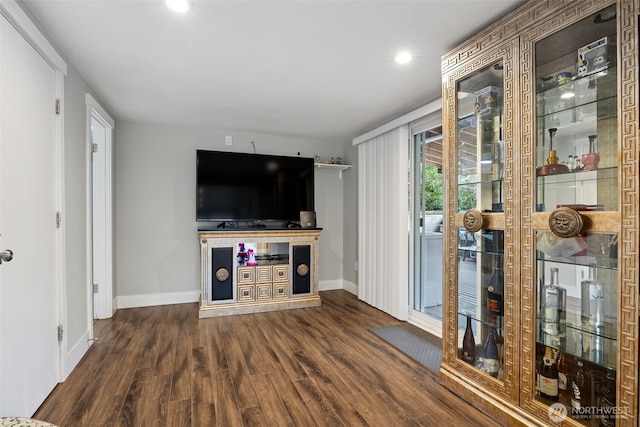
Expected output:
(162, 366)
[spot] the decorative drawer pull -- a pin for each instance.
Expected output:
(222, 274)
(473, 220)
(565, 222)
(302, 270)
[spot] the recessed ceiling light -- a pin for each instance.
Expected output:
(403, 57)
(178, 5)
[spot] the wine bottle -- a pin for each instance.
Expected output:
(580, 388)
(592, 299)
(563, 374)
(495, 290)
(469, 344)
(553, 304)
(491, 354)
(548, 377)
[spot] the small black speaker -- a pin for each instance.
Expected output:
(221, 274)
(301, 269)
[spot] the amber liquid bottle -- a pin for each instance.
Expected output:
(495, 291)
(469, 344)
(580, 388)
(548, 376)
(563, 375)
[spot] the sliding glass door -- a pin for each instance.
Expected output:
(427, 207)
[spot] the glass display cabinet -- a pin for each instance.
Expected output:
(481, 197)
(480, 184)
(542, 255)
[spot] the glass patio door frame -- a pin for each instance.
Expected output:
(417, 262)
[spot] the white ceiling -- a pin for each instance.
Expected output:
(321, 70)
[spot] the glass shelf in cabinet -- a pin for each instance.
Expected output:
(485, 318)
(579, 175)
(488, 242)
(594, 190)
(565, 111)
(474, 180)
(595, 86)
(583, 343)
(602, 262)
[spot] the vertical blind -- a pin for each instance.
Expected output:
(383, 222)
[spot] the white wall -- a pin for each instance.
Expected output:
(328, 203)
(78, 311)
(350, 216)
(157, 251)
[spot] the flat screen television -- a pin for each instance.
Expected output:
(252, 187)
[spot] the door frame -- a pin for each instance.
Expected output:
(431, 119)
(101, 303)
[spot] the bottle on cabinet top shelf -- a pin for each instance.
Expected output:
(497, 160)
(591, 159)
(553, 166)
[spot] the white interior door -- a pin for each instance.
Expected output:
(29, 349)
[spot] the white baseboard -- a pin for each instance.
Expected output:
(75, 354)
(329, 285)
(147, 300)
(350, 287)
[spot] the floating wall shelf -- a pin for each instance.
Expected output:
(333, 166)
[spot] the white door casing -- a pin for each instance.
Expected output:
(30, 198)
(100, 127)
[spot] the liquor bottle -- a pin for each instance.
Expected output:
(606, 400)
(469, 344)
(592, 299)
(580, 388)
(497, 160)
(563, 374)
(553, 306)
(491, 354)
(548, 376)
(495, 290)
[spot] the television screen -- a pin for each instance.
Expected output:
(252, 187)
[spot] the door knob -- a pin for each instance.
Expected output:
(6, 255)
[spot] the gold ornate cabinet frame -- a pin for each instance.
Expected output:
(511, 42)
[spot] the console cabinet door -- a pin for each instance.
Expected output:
(301, 269)
(221, 274)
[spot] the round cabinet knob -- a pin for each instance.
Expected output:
(473, 220)
(222, 274)
(302, 270)
(565, 222)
